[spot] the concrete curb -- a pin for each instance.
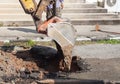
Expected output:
(73, 21)
(47, 39)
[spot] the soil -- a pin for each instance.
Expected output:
(25, 67)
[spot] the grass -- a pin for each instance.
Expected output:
(30, 43)
(26, 44)
(109, 41)
(98, 42)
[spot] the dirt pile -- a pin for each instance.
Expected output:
(15, 63)
(18, 65)
(25, 67)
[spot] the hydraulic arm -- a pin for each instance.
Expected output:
(36, 11)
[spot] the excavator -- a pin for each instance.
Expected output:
(57, 28)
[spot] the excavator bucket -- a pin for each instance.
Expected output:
(64, 34)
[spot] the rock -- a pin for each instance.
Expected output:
(2, 53)
(13, 82)
(9, 78)
(37, 75)
(1, 80)
(41, 75)
(2, 73)
(27, 71)
(34, 82)
(22, 69)
(7, 48)
(16, 48)
(11, 48)
(34, 75)
(24, 75)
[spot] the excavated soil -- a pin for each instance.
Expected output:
(26, 66)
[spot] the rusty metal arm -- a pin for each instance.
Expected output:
(41, 26)
(36, 11)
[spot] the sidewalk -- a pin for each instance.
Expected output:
(84, 32)
(107, 31)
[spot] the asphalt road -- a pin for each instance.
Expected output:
(101, 62)
(101, 51)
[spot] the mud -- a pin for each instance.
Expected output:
(65, 53)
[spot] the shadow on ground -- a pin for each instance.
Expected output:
(26, 30)
(46, 58)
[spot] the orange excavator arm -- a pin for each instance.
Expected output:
(36, 11)
(42, 28)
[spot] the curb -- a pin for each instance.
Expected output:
(47, 39)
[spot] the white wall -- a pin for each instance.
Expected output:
(115, 8)
(91, 1)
